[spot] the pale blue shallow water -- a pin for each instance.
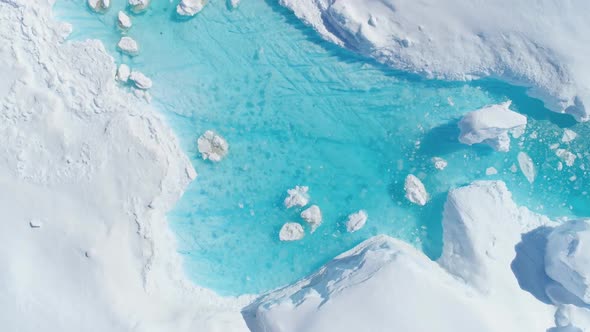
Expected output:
(299, 111)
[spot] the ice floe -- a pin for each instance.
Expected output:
(123, 20)
(140, 80)
(128, 46)
(212, 146)
(492, 125)
(568, 136)
(291, 231)
(138, 6)
(491, 171)
(439, 163)
(190, 7)
(415, 190)
(297, 196)
(99, 6)
(567, 157)
(313, 216)
(123, 73)
(356, 221)
(527, 166)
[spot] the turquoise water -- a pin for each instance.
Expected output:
(298, 111)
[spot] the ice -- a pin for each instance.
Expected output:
(439, 163)
(99, 6)
(415, 190)
(491, 171)
(123, 73)
(492, 125)
(138, 6)
(190, 7)
(565, 155)
(313, 216)
(123, 20)
(291, 231)
(212, 146)
(356, 221)
(297, 196)
(527, 166)
(140, 80)
(567, 258)
(234, 3)
(568, 135)
(35, 223)
(128, 46)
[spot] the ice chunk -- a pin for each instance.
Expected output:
(212, 146)
(297, 196)
(313, 216)
(291, 231)
(491, 171)
(568, 136)
(190, 7)
(233, 3)
(439, 163)
(492, 125)
(128, 46)
(356, 221)
(567, 257)
(138, 6)
(99, 6)
(568, 157)
(140, 80)
(123, 73)
(415, 190)
(123, 20)
(527, 166)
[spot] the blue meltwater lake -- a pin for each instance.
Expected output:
(297, 110)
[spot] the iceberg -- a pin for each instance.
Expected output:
(99, 6)
(123, 73)
(138, 6)
(123, 20)
(356, 221)
(190, 7)
(212, 146)
(128, 46)
(415, 190)
(313, 216)
(297, 196)
(291, 231)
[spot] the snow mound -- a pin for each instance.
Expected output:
(356, 221)
(212, 146)
(128, 46)
(520, 43)
(297, 196)
(313, 216)
(190, 7)
(491, 125)
(291, 231)
(567, 258)
(415, 190)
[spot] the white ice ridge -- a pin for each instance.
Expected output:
(386, 285)
(190, 7)
(138, 6)
(415, 190)
(313, 216)
(92, 157)
(212, 146)
(128, 46)
(297, 196)
(520, 43)
(356, 221)
(492, 125)
(99, 6)
(291, 231)
(123, 20)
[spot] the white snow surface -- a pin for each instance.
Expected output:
(492, 125)
(386, 285)
(190, 7)
(523, 43)
(86, 159)
(415, 190)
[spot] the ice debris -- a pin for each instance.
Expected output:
(123, 73)
(128, 46)
(190, 7)
(212, 146)
(568, 136)
(491, 171)
(415, 190)
(313, 216)
(99, 6)
(140, 80)
(492, 125)
(356, 221)
(291, 231)
(439, 163)
(297, 196)
(568, 157)
(527, 166)
(138, 6)
(233, 4)
(123, 20)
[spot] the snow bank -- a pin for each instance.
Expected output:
(567, 259)
(386, 285)
(514, 40)
(91, 158)
(492, 125)
(415, 190)
(190, 7)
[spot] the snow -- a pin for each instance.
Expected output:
(527, 166)
(297, 196)
(140, 80)
(313, 216)
(415, 190)
(92, 157)
(99, 6)
(128, 46)
(439, 163)
(291, 231)
(568, 136)
(356, 221)
(190, 7)
(212, 146)
(123, 73)
(492, 125)
(384, 284)
(513, 40)
(567, 258)
(123, 20)
(138, 6)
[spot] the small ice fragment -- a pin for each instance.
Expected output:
(513, 168)
(534, 135)
(138, 6)
(527, 166)
(291, 231)
(99, 6)
(140, 80)
(568, 157)
(356, 221)
(313, 216)
(128, 46)
(233, 4)
(415, 190)
(212, 146)
(553, 146)
(123, 73)
(190, 7)
(491, 171)
(568, 136)
(439, 163)
(35, 223)
(559, 166)
(123, 20)
(297, 196)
